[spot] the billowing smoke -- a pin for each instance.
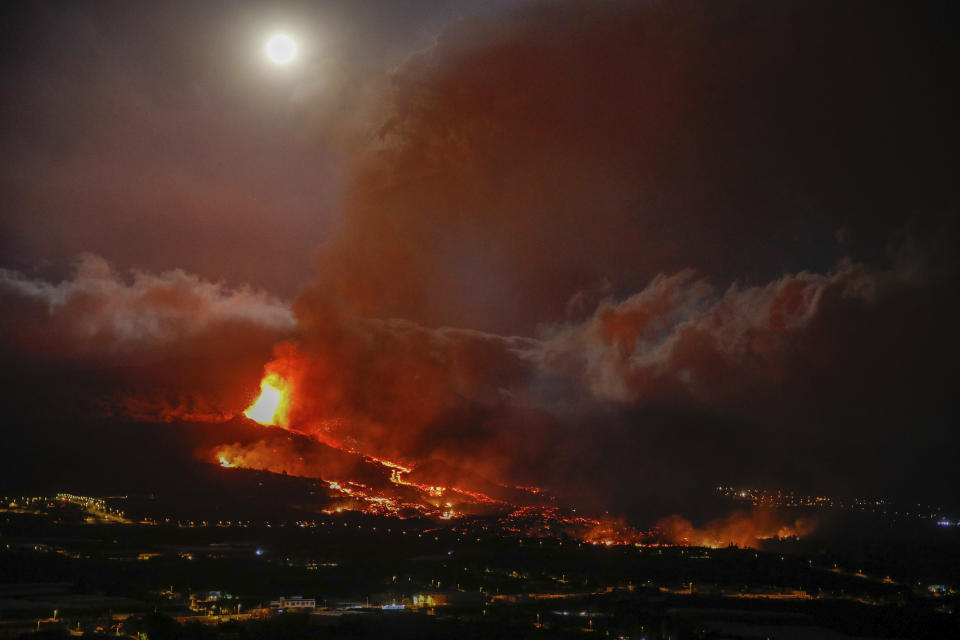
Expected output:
(741, 528)
(618, 250)
(564, 147)
(104, 315)
(167, 346)
(403, 391)
(636, 385)
(179, 405)
(285, 457)
(630, 188)
(681, 341)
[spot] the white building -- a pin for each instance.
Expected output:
(293, 603)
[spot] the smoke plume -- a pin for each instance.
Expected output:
(740, 528)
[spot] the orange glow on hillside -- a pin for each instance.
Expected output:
(273, 404)
(744, 529)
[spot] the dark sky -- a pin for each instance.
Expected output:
(548, 242)
(156, 136)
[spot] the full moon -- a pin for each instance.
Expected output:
(281, 49)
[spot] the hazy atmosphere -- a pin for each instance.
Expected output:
(570, 241)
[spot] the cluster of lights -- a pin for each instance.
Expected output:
(881, 506)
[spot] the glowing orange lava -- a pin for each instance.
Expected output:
(273, 404)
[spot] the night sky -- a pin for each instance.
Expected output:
(623, 250)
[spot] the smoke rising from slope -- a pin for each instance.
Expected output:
(623, 164)
(624, 251)
(741, 528)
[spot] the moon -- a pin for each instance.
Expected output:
(281, 49)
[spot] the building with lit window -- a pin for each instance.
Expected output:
(293, 603)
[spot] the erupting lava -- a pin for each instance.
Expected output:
(271, 407)
(359, 481)
(375, 486)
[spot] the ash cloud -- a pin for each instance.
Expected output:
(625, 250)
(682, 341)
(152, 347)
(649, 156)
(529, 157)
(745, 529)
(102, 314)
(805, 379)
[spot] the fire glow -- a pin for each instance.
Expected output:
(397, 496)
(744, 529)
(273, 404)
(399, 488)
(394, 496)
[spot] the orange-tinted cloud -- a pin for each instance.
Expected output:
(528, 157)
(107, 316)
(592, 177)
(158, 347)
(745, 529)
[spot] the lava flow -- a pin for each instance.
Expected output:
(399, 495)
(358, 481)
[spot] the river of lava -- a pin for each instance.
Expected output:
(395, 496)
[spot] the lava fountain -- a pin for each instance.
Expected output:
(272, 405)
